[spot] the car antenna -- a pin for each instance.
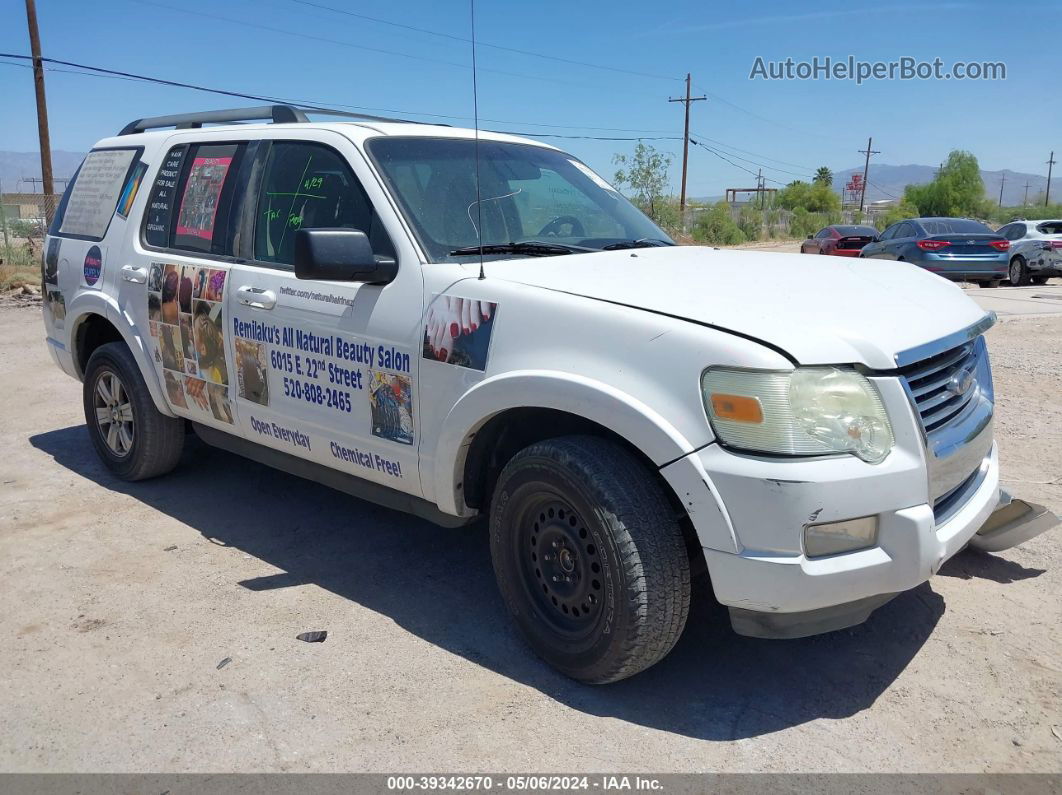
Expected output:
(475, 115)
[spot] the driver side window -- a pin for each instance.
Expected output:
(310, 186)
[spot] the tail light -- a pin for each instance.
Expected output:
(933, 245)
(1000, 245)
(1053, 245)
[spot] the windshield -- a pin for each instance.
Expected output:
(962, 226)
(529, 193)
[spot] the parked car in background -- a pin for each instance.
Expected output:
(1035, 250)
(839, 240)
(959, 249)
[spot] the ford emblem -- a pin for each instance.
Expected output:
(960, 383)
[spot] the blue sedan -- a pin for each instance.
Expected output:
(956, 248)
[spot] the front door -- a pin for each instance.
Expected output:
(325, 370)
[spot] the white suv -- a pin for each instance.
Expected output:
(351, 303)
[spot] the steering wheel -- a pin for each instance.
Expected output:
(552, 229)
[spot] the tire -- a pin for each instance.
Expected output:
(133, 438)
(589, 557)
(1038, 280)
(1019, 272)
(990, 283)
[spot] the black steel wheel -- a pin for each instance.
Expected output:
(589, 557)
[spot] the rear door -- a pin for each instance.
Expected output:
(176, 280)
(326, 371)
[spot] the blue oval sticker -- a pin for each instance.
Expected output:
(93, 265)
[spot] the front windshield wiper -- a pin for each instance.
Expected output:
(531, 248)
(642, 242)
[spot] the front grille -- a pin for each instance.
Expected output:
(943, 385)
(947, 505)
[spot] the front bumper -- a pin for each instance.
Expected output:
(749, 513)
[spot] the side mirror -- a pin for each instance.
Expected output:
(809, 237)
(342, 255)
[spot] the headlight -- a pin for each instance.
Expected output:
(807, 411)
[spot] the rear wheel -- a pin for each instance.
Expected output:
(990, 283)
(1039, 280)
(589, 558)
(1019, 272)
(132, 437)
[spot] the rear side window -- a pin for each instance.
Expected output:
(89, 203)
(308, 186)
(192, 199)
(1050, 228)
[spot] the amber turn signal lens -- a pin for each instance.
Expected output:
(738, 408)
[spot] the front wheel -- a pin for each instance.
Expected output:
(589, 558)
(132, 437)
(990, 283)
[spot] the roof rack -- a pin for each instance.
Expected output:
(278, 114)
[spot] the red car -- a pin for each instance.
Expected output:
(841, 241)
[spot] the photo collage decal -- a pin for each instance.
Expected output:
(186, 324)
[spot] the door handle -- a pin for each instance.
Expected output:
(131, 273)
(258, 297)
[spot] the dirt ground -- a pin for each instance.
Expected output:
(151, 627)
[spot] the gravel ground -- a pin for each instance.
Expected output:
(124, 602)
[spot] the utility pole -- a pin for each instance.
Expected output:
(685, 142)
(866, 171)
(1050, 164)
(1002, 182)
(1025, 201)
(42, 104)
(759, 186)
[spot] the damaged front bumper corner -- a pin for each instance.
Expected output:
(1013, 522)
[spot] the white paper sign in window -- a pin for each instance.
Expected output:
(95, 193)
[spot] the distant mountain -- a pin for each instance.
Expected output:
(17, 166)
(887, 182)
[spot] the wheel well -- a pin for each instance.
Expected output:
(94, 331)
(509, 432)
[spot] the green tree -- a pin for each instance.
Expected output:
(957, 190)
(645, 173)
(896, 213)
(824, 176)
(814, 198)
(716, 226)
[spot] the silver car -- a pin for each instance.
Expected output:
(1035, 250)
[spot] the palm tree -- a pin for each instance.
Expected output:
(824, 176)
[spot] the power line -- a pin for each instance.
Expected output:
(806, 169)
(454, 37)
(341, 43)
(805, 175)
(882, 190)
(735, 165)
(99, 71)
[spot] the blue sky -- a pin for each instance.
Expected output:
(288, 49)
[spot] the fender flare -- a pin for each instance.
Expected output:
(96, 302)
(574, 394)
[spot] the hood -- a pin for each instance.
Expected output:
(820, 310)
